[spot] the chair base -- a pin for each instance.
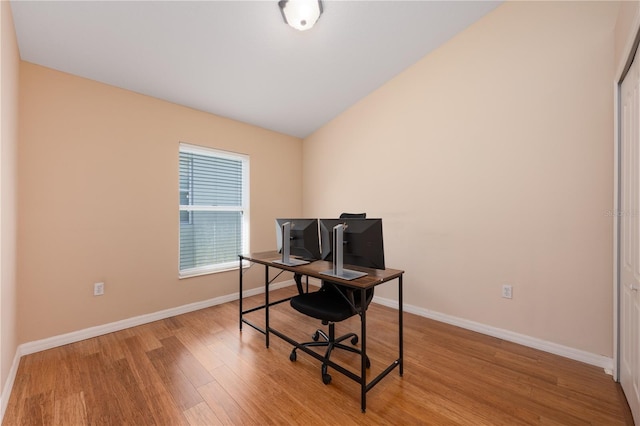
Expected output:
(331, 342)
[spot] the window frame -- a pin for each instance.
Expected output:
(243, 209)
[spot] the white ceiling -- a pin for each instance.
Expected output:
(238, 59)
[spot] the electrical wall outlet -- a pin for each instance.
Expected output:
(98, 289)
(507, 291)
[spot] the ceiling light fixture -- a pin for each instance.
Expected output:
(300, 14)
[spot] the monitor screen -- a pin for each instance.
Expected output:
(363, 244)
(304, 240)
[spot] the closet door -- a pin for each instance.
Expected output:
(629, 254)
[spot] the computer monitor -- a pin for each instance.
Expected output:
(303, 240)
(362, 242)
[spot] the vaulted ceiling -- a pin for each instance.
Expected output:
(238, 59)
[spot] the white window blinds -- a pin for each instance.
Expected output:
(213, 209)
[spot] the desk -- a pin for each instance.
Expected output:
(373, 278)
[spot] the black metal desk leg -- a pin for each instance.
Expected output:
(240, 295)
(266, 304)
(363, 348)
(400, 325)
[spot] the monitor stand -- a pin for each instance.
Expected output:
(338, 271)
(286, 248)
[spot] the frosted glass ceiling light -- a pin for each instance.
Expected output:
(300, 14)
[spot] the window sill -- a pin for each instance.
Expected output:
(197, 272)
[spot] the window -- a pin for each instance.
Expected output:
(214, 209)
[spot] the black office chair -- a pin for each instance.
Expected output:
(332, 303)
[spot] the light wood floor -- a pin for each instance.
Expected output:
(199, 369)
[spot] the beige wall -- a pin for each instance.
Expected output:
(9, 65)
(491, 163)
(98, 174)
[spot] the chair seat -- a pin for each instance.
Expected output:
(323, 305)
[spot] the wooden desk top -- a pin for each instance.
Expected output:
(313, 269)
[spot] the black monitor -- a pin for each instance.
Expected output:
(304, 240)
(362, 245)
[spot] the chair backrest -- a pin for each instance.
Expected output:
(351, 294)
(353, 216)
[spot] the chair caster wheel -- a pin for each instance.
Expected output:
(316, 336)
(293, 356)
(354, 340)
(326, 379)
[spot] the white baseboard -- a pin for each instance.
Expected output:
(87, 333)
(576, 354)
(8, 384)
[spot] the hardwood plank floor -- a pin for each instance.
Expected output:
(199, 369)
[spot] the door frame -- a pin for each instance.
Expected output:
(628, 53)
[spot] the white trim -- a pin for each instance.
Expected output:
(8, 384)
(205, 150)
(212, 269)
(616, 225)
(194, 208)
(87, 333)
(244, 209)
(626, 54)
(76, 336)
(576, 354)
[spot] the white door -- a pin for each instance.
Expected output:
(629, 254)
